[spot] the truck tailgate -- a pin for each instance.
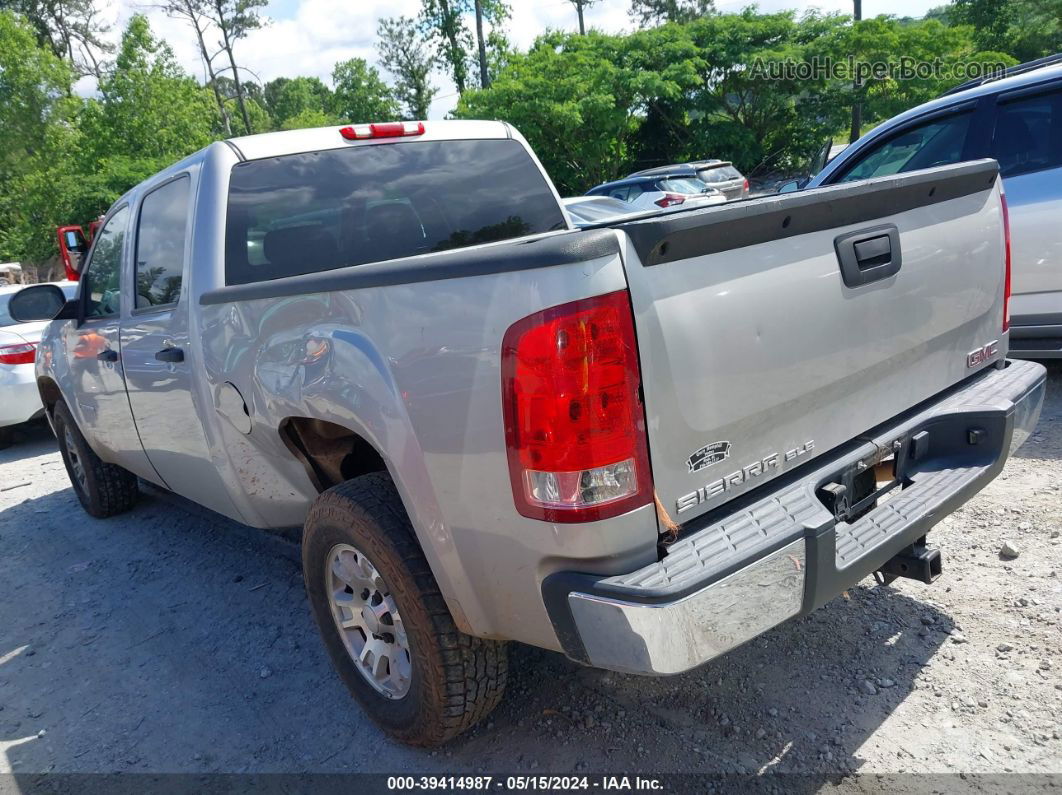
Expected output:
(758, 353)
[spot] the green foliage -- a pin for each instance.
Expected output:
(597, 107)
(82, 154)
(33, 84)
(286, 98)
(1026, 29)
(877, 40)
(576, 98)
(404, 53)
(360, 95)
(309, 117)
(69, 28)
(442, 22)
(148, 106)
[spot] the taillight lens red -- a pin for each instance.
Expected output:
(670, 199)
(23, 353)
(1006, 247)
(745, 187)
(387, 129)
(574, 422)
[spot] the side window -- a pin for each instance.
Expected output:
(637, 190)
(935, 143)
(619, 193)
(103, 274)
(160, 244)
(1028, 134)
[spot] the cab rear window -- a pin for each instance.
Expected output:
(322, 210)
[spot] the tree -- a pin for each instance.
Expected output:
(148, 108)
(578, 99)
(443, 23)
(359, 93)
(991, 20)
(656, 12)
(285, 98)
(481, 43)
(579, 6)
(194, 12)
(234, 20)
(1026, 29)
(928, 41)
(403, 53)
(35, 85)
(308, 118)
(70, 28)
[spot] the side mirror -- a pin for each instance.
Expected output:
(40, 302)
(792, 186)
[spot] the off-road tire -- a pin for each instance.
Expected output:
(457, 679)
(107, 488)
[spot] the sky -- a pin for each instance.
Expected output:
(307, 37)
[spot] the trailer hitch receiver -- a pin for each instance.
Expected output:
(916, 562)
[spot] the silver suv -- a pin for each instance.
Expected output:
(1018, 121)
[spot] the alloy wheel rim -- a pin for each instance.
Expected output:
(367, 619)
(76, 464)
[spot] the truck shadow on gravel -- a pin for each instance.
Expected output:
(30, 441)
(163, 641)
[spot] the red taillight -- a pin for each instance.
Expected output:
(389, 129)
(23, 353)
(574, 423)
(1006, 248)
(670, 199)
(745, 187)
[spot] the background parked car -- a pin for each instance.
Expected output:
(1018, 121)
(660, 191)
(589, 210)
(19, 399)
(719, 174)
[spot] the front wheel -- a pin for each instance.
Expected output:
(384, 622)
(102, 489)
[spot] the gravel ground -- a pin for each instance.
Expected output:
(170, 640)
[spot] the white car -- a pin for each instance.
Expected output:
(660, 191)
(19, 399)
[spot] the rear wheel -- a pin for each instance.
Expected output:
(6, 437)
(384, 622)
(102, 489)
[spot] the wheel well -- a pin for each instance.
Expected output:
(50, 394)
(331, 453)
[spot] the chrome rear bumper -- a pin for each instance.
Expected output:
(780, 552)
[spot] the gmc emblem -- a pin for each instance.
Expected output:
(983, 354)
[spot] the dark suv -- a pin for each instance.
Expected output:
(1017, 120)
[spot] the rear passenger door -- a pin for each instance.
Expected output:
(1027, 142)
(155, 349)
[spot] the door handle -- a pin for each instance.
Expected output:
(107, 356)
(172, 355)
(868, 255)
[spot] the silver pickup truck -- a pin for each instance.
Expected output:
(640, 445)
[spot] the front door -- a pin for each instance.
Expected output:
(94, 354)
(156, 351)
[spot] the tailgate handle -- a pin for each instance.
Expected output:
(868, 255)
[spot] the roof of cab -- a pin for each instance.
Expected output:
(290, 142)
